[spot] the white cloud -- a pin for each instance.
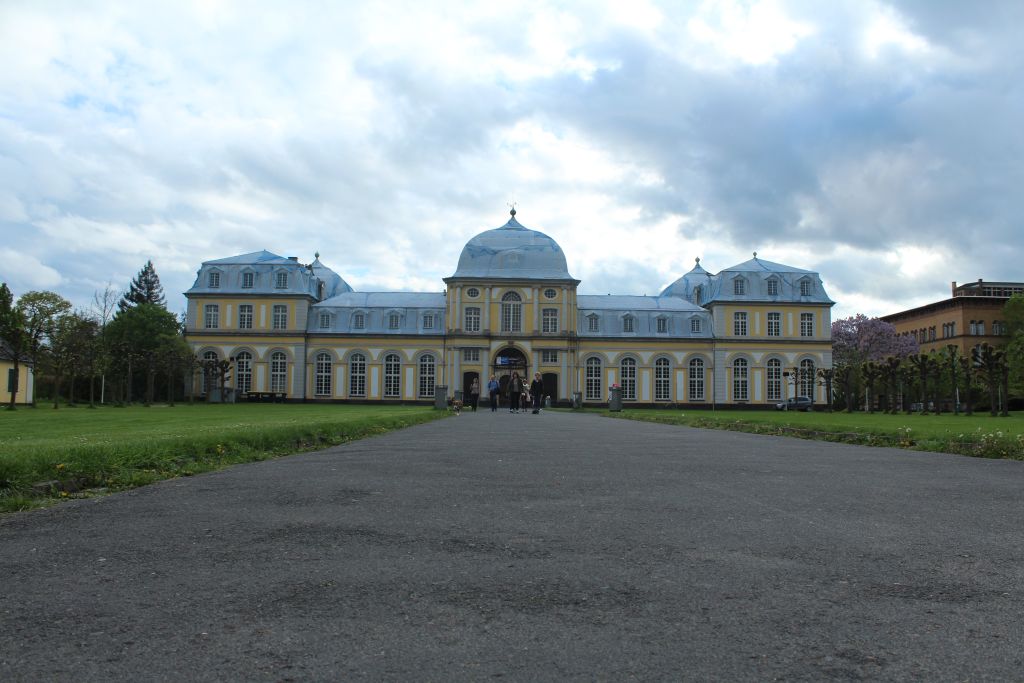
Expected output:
(24, 272)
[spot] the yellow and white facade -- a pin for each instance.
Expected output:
(738, 337)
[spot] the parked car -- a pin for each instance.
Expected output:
(795, 403)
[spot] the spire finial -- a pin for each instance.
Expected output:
(755, 254)
(697, 260)
(512, 208)
(316, 254)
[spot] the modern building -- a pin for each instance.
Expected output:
(24, 378)
(971, 315)
(735, 337)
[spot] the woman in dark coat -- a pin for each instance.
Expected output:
(515, 390)
(536, 391)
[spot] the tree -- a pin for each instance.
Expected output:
(870, 371)
(140, 333)
(860, 338)
(891, 373)
(845, 377)
(827, 375)
(921, 362)
(990, 364)
(13, 335)
(42, 310)
(967, 371)
(144, 289)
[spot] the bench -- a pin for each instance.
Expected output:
(266, 396)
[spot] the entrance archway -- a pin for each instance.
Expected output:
(506, 361)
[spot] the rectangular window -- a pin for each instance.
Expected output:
(428, 321)
(593, 380)
(549, 320)
(548, 356)
(211, 316)
(981, 327)
(662, 325)
(278, 371)
(773, 287)
(739, 286)
(12, 378)
(245, 316)
(325, 321)
(592, 323)
(739, 324)
(359, 321)
(214, 281)
(427, 377)
(472, 319)
(248, 280)
(471, 355)
(281, 280)
(931, 331)
(805, 288)
(695, 325)
(662, 380)
(627, 324)
(774, 324)
(807, 325)
(696, 380)
(774, 380)
(279, 319)
(394, 321)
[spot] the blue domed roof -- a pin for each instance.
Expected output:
(513, 251)
(333, 283)
(686, 286)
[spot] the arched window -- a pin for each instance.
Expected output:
(697, 379)
(593, 379)
(209, 375)
(511, 312)
(774, 379)
(243, 372)
(323, 374)
(628, 383)
(392, 376)
(662, 380)
(739, 380)
(427, 365)
(357, 375)
(807, 378)
(278, 371)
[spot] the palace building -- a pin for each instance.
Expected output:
(751, 334)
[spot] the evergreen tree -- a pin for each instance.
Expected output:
(144, 289)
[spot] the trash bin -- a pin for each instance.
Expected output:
(547, 401)
(440, 396)
(615, 400)
(577, 399)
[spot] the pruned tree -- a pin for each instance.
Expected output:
(826, 377)
(989, 363)
(870, 372)
(145, 288)
(921, 363)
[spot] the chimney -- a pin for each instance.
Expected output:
(954, 287)
(293, 258)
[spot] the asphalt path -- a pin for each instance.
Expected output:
(550, 547)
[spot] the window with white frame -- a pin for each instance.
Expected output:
(281, 279)
(245, 316)
(628, 324)
(662, 380)
(695, 325)
(471, 355)
(359, 321)
(807, 377)
(773, 287)
(357, 375)
(209, 377)
(696, 379)
(549, 320)
(805, 288)
(774, 371)
(213, 280)
(662, 325)
(243, 372)
(806, 324)
(628, 383)
(739, 286)
(472, 292)
(774, 324)
(248, 279)
(323, 370)
(325, 320)
(392, 376)
(278, 371)
(981, 329)
(427, 369)
(593, 379)
(549, 356)
(511, 312)
(740, 382)
(428, 321)
(211, 316)
(739, 324)
(472, 319)
(593, 323)
(394, 321)
(550, 293)
(279, 317)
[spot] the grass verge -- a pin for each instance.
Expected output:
(978, 435)
(46, 455)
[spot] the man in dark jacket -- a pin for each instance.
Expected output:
(536, 391)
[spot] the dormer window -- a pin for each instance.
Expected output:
(773, 287)
(593, 323)
(281, 280)
(428, 321)
(694, 324)
(213, 281)
(662, 325)
(628, 324)
(805, 288)
(359, 321)
(739, 286)
(394, 321)
(325, 321)
(248, 279)
(698, 292)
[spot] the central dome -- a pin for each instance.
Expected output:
(513, 251)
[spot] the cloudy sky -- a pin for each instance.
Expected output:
(879, 143)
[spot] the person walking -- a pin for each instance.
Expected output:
(474, 393)
(515, 392)
(492, 390)
(536, 391)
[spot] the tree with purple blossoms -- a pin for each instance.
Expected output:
(857, 340)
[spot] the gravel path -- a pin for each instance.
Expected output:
(550, 547)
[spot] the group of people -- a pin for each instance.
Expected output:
(519, 395)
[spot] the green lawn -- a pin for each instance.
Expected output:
(111, 448)
(979, 435)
